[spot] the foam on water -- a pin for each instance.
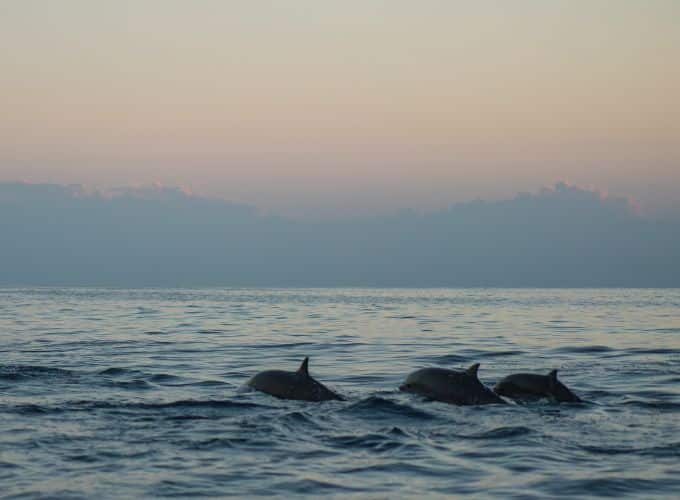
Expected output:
(137, 393)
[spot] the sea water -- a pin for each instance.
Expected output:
(114, 393)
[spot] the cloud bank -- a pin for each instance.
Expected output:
(159, 236)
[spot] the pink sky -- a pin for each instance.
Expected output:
(318, 107)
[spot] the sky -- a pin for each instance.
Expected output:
(325, 108)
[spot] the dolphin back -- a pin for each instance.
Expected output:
(450, 386)
(530, 386)
(560, 391)
(297, 385)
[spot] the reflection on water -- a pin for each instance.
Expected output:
(134, 393)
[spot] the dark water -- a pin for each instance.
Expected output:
(135, 393)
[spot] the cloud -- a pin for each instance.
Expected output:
(155, 191)
(163, 236)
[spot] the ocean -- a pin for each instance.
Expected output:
(116, 393)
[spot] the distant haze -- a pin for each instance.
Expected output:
(155, 236)
(319, 109)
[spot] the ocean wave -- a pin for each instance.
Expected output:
(132, 385)
(92, 405)
(314, 487)
(31, 409)
(668, 450)
(24, 372)
(607, 486)
(375, 442)
(375, 407)
(397, 467)
(502, 432)
(100, 409)
(197, 404)
(114, 371)
(587, 349)
(113, 376)
(654, 405)
(656, 350)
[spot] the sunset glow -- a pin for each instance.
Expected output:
(299, 106)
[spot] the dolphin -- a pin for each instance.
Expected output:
(450, 386)
(531, 386)
(292, 385)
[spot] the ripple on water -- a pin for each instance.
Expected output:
(669, 450)
(378, 408)
(17, 373)
(586, 349)
(144, 402)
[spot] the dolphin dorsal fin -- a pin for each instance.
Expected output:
(304, 368)
(552, 376)
(472, 371)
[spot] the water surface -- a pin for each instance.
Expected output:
(136, 393)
